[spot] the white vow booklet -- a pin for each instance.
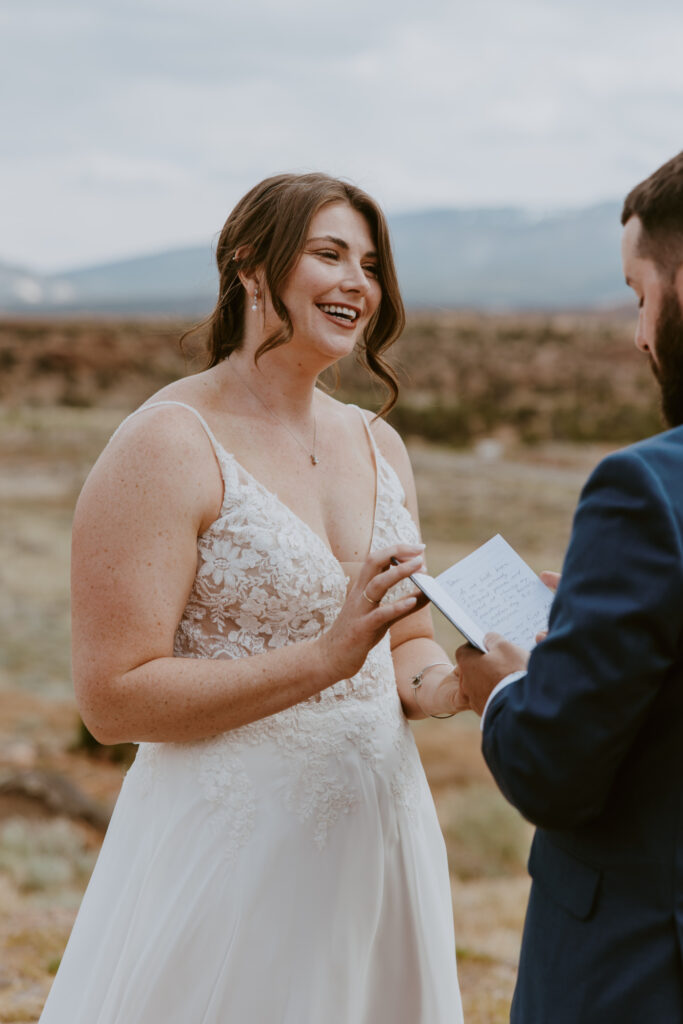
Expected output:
(491, 590)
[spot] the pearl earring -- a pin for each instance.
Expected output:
(254, 305)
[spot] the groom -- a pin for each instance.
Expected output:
(587, 740)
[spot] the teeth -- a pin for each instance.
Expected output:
(340, 311)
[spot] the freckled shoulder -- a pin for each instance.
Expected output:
(168, 433)
(392, 447)
(389, 442)
(164, 451)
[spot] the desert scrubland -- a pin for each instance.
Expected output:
(504, 418)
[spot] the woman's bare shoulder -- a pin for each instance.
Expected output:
(160, 453)
(170, 422)
(163, 429)
(387, 439)
(384, 434)
(391, 445)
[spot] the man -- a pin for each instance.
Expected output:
(587, 740)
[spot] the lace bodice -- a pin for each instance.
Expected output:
(265, 579)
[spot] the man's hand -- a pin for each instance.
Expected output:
(552, 581)
(479, 673)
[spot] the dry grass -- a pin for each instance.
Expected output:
(45, 856)
(33, 937)
(466, 376)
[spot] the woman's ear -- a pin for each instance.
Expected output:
(249, 276)
(250, 281)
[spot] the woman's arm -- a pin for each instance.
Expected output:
(152, 492)
(412, 638)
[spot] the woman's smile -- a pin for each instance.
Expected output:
(342, 315)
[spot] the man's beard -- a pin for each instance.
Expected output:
(669, 352)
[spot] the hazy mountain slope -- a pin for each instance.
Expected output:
(490, 259)
(505, 259)
(165, 276)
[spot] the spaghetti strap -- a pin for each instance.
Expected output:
(366, 424)
(217, 447)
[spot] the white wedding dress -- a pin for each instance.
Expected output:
(291, 871)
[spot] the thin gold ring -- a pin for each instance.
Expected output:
(370, 599)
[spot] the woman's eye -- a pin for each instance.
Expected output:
(371, 269)
(329, 254)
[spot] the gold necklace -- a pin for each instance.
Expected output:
(311, 454)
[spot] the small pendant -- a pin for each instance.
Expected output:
(314, 460)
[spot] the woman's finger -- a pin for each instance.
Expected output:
(378, 561)
(392, 611)
(379, 584)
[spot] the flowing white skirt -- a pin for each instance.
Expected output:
(181, 924)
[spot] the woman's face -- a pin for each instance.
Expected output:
(333, 290)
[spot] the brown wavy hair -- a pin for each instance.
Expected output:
(268, 228)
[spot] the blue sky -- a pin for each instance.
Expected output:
(130, 126)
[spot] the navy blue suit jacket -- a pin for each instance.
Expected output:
(588, 745)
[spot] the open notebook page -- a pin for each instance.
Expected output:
(491, 590)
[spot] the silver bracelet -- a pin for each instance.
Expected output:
(416, 683)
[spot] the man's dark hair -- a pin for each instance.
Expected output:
(658, 203)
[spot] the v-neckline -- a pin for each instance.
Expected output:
(294, 515)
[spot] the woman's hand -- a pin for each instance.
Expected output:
(363, 619)
(439, 693)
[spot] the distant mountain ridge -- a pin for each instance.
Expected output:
(490, 259)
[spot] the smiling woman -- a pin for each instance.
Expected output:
(242, 610)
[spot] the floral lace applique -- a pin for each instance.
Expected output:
(265, 579)
(231, 792)
(408, 779)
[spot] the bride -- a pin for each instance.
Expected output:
(241, 609)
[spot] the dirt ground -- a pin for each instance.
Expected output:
(46, 858)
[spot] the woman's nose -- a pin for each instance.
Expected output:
(356, 279)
